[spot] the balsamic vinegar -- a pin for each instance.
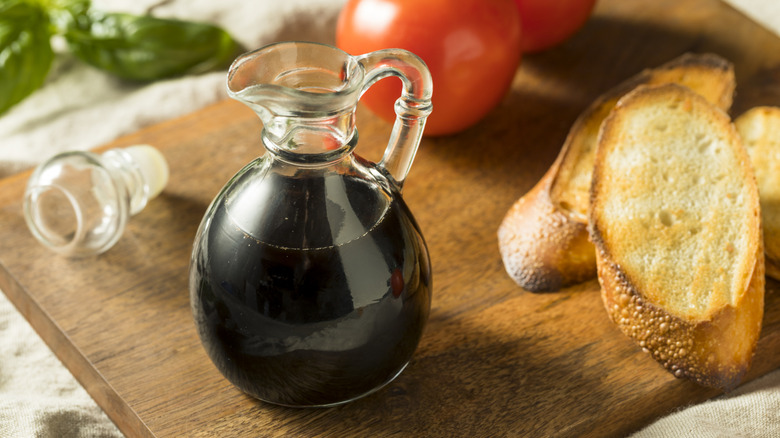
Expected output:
(322, 314)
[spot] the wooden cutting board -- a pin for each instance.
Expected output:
(495, 360)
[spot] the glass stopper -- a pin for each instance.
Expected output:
(77, 203)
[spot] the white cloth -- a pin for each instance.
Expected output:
(750, 411)
(80, 108)
(38, 395)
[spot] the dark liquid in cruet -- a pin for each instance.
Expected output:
(311, 326)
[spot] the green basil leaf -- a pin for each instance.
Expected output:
(64, 12)
(25, 51)
(146, 48)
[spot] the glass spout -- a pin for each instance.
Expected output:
(304, 93)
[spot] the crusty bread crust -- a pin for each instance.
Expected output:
(543, 238)
(542, 248)
(715, 352)
(760, 131)
(699, 318)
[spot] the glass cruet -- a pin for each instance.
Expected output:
(310, 281)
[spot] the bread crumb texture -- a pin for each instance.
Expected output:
(677, 216)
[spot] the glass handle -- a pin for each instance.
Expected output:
(411, 109)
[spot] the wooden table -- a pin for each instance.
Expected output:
(494, 360)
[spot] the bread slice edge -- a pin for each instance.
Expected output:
(715, 349)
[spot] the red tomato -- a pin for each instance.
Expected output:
(472, 48)
(547, 23)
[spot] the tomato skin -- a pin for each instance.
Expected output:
(547, 23)
(471, 47)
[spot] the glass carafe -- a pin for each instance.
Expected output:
(310, 281)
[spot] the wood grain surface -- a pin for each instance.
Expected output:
(495, 360)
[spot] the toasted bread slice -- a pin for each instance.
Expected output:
(760, 132)
(543, 238)
(675, 218)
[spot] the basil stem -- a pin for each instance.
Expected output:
(25, 50)
(146, 48)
